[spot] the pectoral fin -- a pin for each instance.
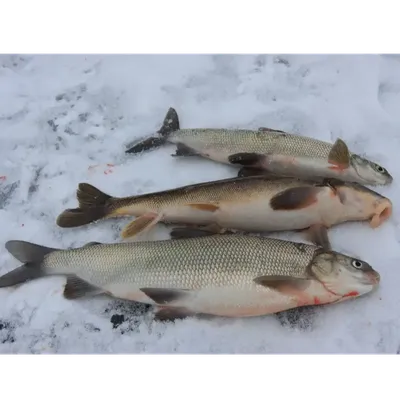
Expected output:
(285, 285)
(295, 198)
(141, 224)
(339, 156)
(318, 234)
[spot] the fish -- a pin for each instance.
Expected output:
(272, 150)
(247, 204)
(220, 275)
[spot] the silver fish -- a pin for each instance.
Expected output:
(252, 204)
(268, 149)
(221, 275)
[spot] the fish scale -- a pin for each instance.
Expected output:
(229, 260)
(234, 141)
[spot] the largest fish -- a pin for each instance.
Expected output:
(271, 150)
(221, 275)
(253, 204)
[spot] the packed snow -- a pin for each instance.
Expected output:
(68, 119)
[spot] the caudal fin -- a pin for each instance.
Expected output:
(93, 205)
(32, 255)
(170, 124)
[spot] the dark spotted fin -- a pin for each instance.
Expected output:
(339, 155)
(164, 296)
(184, 151)
(93, 206)
(295, 198)
(170, 124)
(284, 284)
(32, 255)
(76, 288)
(246, 159)
(318, 234)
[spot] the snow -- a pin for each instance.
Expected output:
(62, 115)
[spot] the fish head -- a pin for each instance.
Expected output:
(369, 172)
(361, 202)
(343, 275)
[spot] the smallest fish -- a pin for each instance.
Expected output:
(271, 150)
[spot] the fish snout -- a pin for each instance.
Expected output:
(383, 211)
(373, 277)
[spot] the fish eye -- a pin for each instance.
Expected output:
(380, 169)
(356, 264)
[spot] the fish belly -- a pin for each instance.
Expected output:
(307, 167)
(187, 214)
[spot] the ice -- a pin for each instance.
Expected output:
(64, 118)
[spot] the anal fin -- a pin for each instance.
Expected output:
(182, 150)
(141, 224)
(165, 314)
(76, 288)
(164, 296)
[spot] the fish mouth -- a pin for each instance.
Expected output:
(382, 213)
(372, 278)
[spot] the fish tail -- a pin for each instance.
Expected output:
(93, 206)
(170, 124)
(32, 256)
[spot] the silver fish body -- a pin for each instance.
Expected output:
(225, 275)
(272, 150)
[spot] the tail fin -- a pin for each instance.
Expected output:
(93, 205)
(32, 256)
(170, 124)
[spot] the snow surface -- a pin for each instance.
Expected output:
(61, 115)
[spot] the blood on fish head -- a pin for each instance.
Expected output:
(361, 202)
(343, 275)
(369, 172)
